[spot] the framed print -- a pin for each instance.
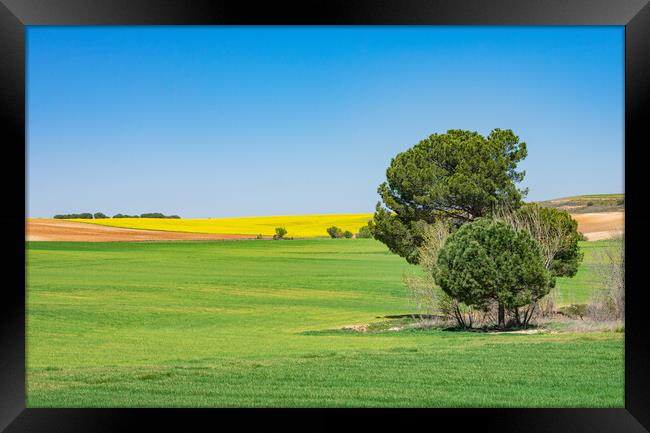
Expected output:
(419, 205)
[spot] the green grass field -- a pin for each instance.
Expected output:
(232, 324)
(578, 289)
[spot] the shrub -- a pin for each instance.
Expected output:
(434, 237)
(590, 203)
(259, 236)
(279, 233)
(348, 234)
(488, 261)
(431, 302)
(364, 233)
(574, 310)
(608, 303)
(429, 298)
(546, 305)
(335, 232)
(99, 215)
(119, 215)
(555, 231)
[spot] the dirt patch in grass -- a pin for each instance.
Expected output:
(356, 328)
(557, 323)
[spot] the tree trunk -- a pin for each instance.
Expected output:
(517, 318)
(459, 316)
(529, 314)
(502, 316)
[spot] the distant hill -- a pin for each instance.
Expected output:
(588, 203)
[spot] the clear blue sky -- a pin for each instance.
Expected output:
(235, 121)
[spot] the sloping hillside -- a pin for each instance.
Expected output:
(588, 203)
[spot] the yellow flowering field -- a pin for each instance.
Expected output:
(302, 226)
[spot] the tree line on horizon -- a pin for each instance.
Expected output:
(100, 215)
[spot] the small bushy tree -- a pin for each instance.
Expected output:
(434, 237)
(348, 234)
(335, 232)
(429, 298)
(280, 232)
(364, 233)
(555, 231)
(489, 261)
(99, 215)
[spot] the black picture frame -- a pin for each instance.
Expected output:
(16, 14)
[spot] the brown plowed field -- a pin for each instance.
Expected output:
(601, 225)
(61, 230)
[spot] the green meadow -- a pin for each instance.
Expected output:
(253, 323)
(578, 289)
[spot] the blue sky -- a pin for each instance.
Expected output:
(235, 121)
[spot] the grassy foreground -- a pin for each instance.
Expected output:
(232, 324)
(302, 226)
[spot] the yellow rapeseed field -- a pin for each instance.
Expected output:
(300, 226)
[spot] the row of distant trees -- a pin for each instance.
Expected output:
(334, 232)
(100, 215)
(337, 232)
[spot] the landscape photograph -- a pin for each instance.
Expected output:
(297, 216)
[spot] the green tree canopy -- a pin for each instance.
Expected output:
(279, 233)
(562, 234)
(335, 232)
(364, 233)
(459, 175)
(487, 261)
